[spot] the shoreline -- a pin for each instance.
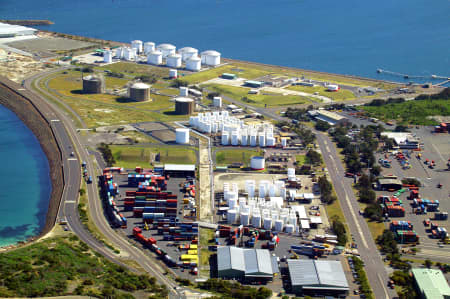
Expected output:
(21, 105)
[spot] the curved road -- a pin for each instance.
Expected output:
(70, 141)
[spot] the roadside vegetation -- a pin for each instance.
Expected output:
(233, 290)
(417, 111)
(66, 266)
(364, 286)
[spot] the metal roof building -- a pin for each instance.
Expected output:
(245, 264)
(179, 170)
(330, 117)
(317, 277)
(431, 283)
(8, 30)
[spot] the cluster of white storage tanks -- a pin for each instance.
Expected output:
(257, 211)
(156, 54)
(234, 131)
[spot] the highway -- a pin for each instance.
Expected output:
(377, 272)
(70, 141)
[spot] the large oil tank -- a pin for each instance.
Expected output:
(166, 49)
(137, 44)
(107, 56)
(182, 136)
(149, 47)
(193, 63)
(210, 57)
(173, 60)
(154, 57)
(184, 106)
(93, 84)
(257, 163)
(187, 52)
(139, 92)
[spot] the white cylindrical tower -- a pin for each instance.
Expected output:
(262, 140)
(279, 225)
(268, 223)
(210, 57)
(128, 54)
(256, 220)
(194, 63)
(107, 57)
(166, 49)
(253, 138)
(182, 136)
(173, 74)
(283, 142)
(245, 218)
(154, 57)
(149, 47)
(231, 216)
(225, 138)
(137, 44)
(217, 102)
(119, 53)
(257, 163)
(173, 60)
(184, 91)
(187, 52)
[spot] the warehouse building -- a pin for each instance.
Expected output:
(179, 170)
(389, 183)
(8, 30)
(403, 140)
(431, 284)
(317, 278)
(327, 116)
(246, 264)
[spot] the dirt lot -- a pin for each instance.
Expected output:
(16, 67)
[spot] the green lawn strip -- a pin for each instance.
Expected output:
(260, 100)
(340, 95)
(300, 159)
(135, 69)
(411, 112)
(226, 157)
(132, 156)
(66, 266)
(206, 239)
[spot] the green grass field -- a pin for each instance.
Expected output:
(135, 69)
(410, 112)
(260, 100)
(340, 95)
(226, 157)
(132, 156)
(300, 159)
(206, 239)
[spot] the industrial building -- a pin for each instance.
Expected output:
(317, 278)
(403, 140)
(179, 170)
(246, 264)
(389, 183)
(7, 30)
(254, 84)
(431, 284)
(328, 116)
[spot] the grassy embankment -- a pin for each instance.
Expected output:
(227, 157)
(61, 266)
(260, 100)
(206, 239)
(132, 156)
(103, 109)
(411, 112)
(340, 95)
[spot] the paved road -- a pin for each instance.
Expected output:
(377, 273)
(69, 141)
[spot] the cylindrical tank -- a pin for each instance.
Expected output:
(119, 53)
(217, 102)
(253, 138)
(92, 84)
(173, 74)
(244, 140)
(225, 138)
(166, 49)
(107, 57)
(154, 57)
(139, 92)
(149, 47)
(257, 163)
(279, 225)
(289, 228)
(283, 142)
(187, 52)
(184, 106)
(182, 136)
(137, 44)
(128, 54)
(270, 141)
(232, 203)
(184, 91)
(245, 218)
(173, 60)
(194, 64)
(210, 57)
(268, 223)
(256, 221)
(231, 216)
(262, 140)
(235, 138)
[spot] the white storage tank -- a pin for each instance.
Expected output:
(289, 228)
(187, 52)
(262, 140)
(283, 142)
(194, 64)
(268, 223)
(154, 57)
(270, 141)
(137, 44)
(253, 138)
(184, 91)
(257, 163)
(217, 102)
(256, 221)
(107, 57)
(279, 225)
(245, 218)
(119, 53)
(231, 216)
(149, 47)
(244, 140)
(128, 54)
(210, 57)
(225, 138)
(235, 138)
(182, 136)
(173, 74)
(166, 49)
(173, 60)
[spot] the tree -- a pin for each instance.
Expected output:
(374, 212)
(364, 181)
(313, 157)
(322, 125)
(387, 242)
(428, 263)
(179, 83)
(339, 230)
(367, 196)
(375, 170)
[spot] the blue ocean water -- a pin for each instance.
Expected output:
(24, 181)
(348, 37)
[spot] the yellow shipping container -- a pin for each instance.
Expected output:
(185, 257)
(192, 251)
(185, 201)
(193, 246)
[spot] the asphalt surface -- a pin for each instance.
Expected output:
(376, 271)
(70, 141)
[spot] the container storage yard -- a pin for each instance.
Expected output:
(157, 210)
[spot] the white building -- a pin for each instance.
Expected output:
(7, 30)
